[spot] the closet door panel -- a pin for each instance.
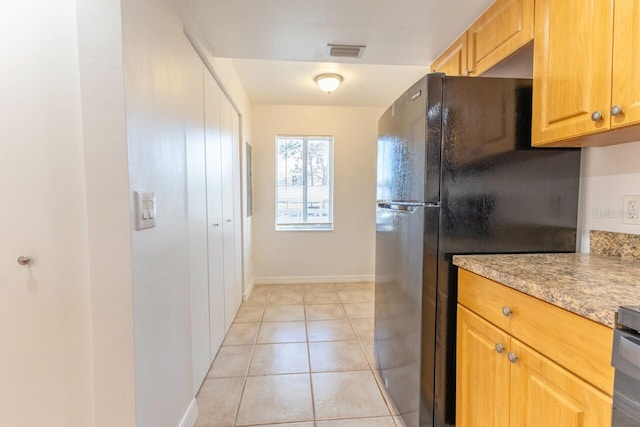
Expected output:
(197, 208)
(228, 213)
(212, 96)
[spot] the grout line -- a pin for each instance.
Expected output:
(313, 399)
(246, 376)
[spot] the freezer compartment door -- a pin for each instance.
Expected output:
(408, 166)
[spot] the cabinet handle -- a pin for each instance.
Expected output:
(499, 348)
(216, 225)
(506, 311)
(24, 260)
(596, 116)
(616, 110)
(512, 357)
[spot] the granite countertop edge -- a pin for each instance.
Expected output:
(592, 286)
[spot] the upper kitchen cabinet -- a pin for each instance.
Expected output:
(626, 64)
(504, 28)
(453, 61)
(586, 72)
(500, 31)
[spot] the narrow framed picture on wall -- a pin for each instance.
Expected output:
(249, 181)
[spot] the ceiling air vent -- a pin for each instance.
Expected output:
(345, 50)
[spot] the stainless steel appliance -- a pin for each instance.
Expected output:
(626, 360)
(456, 175)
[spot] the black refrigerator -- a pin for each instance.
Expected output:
(456, 174)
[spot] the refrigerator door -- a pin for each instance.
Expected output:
(398, 308)
(406, 248)
(408, 170)
(498, 195)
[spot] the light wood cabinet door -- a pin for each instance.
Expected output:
(544, 394)
(626, 63)
(453, 61)
(482, 382)
(572, 68)
(504, 28)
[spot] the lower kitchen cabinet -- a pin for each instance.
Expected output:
(545, 394)
(483, 373)
(503, 380)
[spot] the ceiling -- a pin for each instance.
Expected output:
(279, 46)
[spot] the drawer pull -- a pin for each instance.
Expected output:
(512, 357)
(506, 311)
(499, 348)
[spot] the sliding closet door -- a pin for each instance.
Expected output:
(228, 202)
(197, 208)
(212, 97)
(237, 205)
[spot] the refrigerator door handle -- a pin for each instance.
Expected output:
(407, 207)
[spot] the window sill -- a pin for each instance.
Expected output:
(304, 227)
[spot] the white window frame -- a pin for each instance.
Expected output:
(306, 226)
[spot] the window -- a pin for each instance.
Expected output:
(304, 183)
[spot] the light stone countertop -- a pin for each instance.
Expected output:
(592, 286)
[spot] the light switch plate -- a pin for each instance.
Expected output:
(145, 209)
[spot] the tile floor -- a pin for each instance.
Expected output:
(298, 356)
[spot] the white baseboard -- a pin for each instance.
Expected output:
(190, 416)
(248, 291)
(312, 279)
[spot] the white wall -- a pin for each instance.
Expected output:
(348, 251)
(608, 173)
(45, 308)
(156, 72)
(159, 68)
(107, 183)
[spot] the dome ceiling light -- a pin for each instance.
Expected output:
(328, 82)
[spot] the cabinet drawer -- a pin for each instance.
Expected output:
(578, 344)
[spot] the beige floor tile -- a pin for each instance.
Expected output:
(359, 310)
(288, 287)
(241, 333)
(364, 328)
(249, 314)
(307, 424)
(282, 332)
(260, 289)
(257, 300)
(365, 286)
(367, 347)
(283, 313)
(347, 297)
(284, 298)
(330, 330)
(359, 422)
(324, 311)
(269, 359)
(347, 395)
(218, 401)
(324, 297)
(276, 399)
(231, 361)
(337, 356)
(319, 287)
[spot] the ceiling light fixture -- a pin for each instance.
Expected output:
(328, 82)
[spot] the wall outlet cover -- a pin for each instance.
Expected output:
(631, 209)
